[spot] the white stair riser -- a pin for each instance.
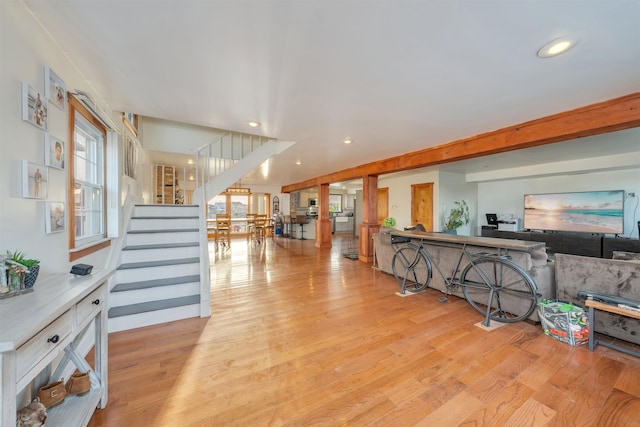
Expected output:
(163, 223)
(125, 323)
(159, 210)
(117, 299)
(152, 273)
(162, 238)
(141, 255)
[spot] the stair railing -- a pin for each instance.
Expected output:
(212, 160)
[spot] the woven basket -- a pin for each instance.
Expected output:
(30, 278)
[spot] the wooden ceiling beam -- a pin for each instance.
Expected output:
(595, 119)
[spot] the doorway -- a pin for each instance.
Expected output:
(422, 205)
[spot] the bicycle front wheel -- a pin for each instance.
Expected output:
(500, 287)
(411, 268)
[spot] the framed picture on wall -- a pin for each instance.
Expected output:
(34, 107)
(54, 88)
(53, 151)
(35, 180)
(55, 217)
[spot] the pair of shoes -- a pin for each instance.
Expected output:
(78, 384)
(52, 394)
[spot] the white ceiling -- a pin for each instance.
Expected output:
(395, 76)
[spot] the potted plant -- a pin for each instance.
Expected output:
(458, 216)
(33, 265)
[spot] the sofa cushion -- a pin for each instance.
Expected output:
(608, 276)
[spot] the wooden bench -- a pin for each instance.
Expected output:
(597, 305)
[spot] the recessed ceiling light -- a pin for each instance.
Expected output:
(557, 46)
(348, 141)
(254, 124)
(298, 162)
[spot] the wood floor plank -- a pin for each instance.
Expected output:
(620, 409)
(303, 336)
(532, 413)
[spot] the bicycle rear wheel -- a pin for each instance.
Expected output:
(411, 268)
(514, 293)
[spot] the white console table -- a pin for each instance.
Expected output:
(41, 330)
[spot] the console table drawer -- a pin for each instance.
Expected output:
(91, 304)
(43, 343)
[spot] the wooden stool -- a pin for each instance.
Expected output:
(597, 305)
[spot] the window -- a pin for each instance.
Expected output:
(87, 195)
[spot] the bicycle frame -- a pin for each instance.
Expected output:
(483, 283)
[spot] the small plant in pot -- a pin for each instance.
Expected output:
(458, 216)
(389, 222)
(33, 265)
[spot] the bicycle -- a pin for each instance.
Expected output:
(492, 284)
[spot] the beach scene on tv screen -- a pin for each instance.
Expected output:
(588, 212)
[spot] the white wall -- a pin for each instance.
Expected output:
(454, 188)
(174, 137)
(447, 188)
(507, 196)
(26, 49)
(400, 194)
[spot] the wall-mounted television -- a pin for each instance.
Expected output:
(598, 212)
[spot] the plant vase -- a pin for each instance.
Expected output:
(31, 276)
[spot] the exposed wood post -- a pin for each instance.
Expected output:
(369, 224)
(323, 223)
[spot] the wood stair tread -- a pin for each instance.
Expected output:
(165, 217)
(147, 264)
(145, 307)
(165, 230)
(147, 284)
(161, 246)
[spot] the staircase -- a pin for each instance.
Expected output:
(158, 279)
(162, 258)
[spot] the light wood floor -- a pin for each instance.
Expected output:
(300, 336)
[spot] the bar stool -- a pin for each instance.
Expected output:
(288, 223)
(301, 220)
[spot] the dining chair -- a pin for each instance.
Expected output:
(260, 226)
(223, 229)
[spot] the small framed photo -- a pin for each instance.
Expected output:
(35, 180)
(54, 88)
(55, 217)
(34, 107)
(53, 151)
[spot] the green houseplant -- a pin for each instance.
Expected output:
(33, 265)
(389, 222)
(458, 216)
